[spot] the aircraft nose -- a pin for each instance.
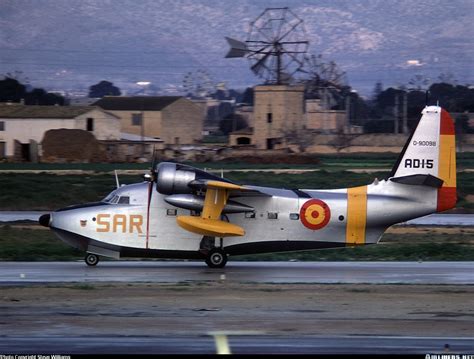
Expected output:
(44, 220)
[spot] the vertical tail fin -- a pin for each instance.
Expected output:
(431, 150)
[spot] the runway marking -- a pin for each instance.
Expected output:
(222, 344)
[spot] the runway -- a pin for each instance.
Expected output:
(171, 307)
(453, 273)
(238, 345)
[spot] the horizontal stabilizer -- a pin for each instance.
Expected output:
(419, 180)
(209, 227)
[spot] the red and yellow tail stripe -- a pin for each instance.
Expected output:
(447, 163)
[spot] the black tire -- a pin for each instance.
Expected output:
(216, 258)
(91, 259)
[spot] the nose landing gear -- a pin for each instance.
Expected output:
(91, 259)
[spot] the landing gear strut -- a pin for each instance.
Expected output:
(91, 259)
(216, 258)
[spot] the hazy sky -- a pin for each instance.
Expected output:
(71, 44)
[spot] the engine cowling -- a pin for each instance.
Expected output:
(175, 178)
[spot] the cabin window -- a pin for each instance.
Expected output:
(90, 124)
(171, 212)
(249, 214)
(272, 215)
(124, 200)
(2, 125)
(136, 119)
(294, 216)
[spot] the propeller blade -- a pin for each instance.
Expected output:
(153, 160)
(150, 194)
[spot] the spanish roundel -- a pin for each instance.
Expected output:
(315, 214)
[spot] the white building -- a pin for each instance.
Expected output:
(22, 127)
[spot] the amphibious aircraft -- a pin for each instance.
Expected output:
(184, 212)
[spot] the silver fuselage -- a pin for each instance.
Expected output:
(120, 229)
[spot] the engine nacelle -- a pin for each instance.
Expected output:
(196, 203)
(173, 178)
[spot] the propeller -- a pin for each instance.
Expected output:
(151, 178)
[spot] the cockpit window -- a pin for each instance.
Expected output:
(114, 199)
(109, 197)
(124, 200)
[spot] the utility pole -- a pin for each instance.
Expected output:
(395, 114)
(348, 114)
(326, 110)
(142, 126)
(405, 112)
(145, 85)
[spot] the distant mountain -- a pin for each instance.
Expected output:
(73, 44)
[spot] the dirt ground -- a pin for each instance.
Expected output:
(199, 307)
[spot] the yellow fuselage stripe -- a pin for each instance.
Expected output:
(356, 215)
(447, 160)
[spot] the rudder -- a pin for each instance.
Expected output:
(431, 150)
(447, 163)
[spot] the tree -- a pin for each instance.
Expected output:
(452, 98)
(232, 122)
(11, 90)
(219, 95)
(302, 138)
(103, 88)
(378, 89)
(40, 97)
(356, 106)
(343, 140)
(247, 96)
(462, 124)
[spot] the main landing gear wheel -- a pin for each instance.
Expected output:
(91, 259)
(216, 258)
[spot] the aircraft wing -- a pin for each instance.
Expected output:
(235, 190)
(210, 223)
